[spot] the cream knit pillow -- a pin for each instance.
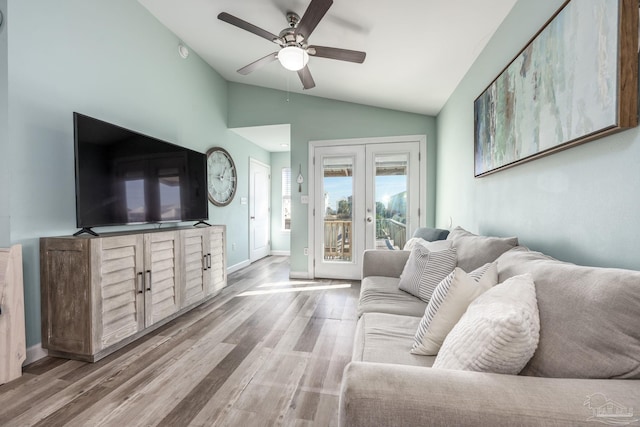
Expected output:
(499, 332)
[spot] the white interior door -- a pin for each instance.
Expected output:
(259, 210)
(366, 195)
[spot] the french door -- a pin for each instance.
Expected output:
(366, 194)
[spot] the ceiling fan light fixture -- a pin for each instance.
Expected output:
(293, 58)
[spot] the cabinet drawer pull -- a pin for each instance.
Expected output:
(209, 261)
(140, 284)
(204, 262)
(148, 280)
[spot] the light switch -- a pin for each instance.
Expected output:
(304, 200)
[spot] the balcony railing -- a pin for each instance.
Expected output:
(337, 240)
(337, 237)
(393, 231)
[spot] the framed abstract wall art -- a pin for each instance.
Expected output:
(575, 81)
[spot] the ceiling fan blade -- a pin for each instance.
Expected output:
(306, 78)
(336, 53)
(259, 63)
(312, 16)
(230, 19)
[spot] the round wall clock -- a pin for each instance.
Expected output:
(222, 176)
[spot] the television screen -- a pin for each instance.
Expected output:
(124, 177)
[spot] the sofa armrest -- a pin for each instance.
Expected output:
(374, 394)
(376, 262)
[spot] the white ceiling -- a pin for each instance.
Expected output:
(272, 138)
(417, 50)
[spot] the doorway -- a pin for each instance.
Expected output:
(366, 194)
(259, 210)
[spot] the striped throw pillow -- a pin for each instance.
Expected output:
(426, 267)
(450, 300)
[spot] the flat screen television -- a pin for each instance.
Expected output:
(124, 177)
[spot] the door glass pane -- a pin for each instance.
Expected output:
(390, 194)
(337, 185)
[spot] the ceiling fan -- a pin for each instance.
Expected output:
(294, 47)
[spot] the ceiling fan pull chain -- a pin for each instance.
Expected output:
(288, 80)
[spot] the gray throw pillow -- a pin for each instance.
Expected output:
(474, 251)
(431, 234)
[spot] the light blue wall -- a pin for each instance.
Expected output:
(114, 61)
(5, 239)
(579, 205)
(314, 118)
(236, 215)
(280, 240)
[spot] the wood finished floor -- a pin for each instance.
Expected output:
(267, 351)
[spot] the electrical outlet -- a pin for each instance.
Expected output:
(306, 251)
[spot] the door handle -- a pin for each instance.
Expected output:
(253, 217)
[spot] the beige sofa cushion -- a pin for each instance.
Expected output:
(379, 294)
(589, 317)
(387, 338)
(375, 395)
(474, 251)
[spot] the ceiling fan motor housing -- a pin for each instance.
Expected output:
(290, 38)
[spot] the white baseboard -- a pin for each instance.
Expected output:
(299, 275)
(281, 253)
(35, 353)
(238, 266)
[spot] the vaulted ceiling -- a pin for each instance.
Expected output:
(417, 50)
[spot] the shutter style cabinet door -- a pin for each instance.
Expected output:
(119, 282)
(196, 272)
(218, 270)
(161, 276)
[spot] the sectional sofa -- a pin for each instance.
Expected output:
(584, 367)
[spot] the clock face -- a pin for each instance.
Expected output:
(222, 176)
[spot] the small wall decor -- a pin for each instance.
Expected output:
(222, 176)
(575, 81)
(300, 178)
